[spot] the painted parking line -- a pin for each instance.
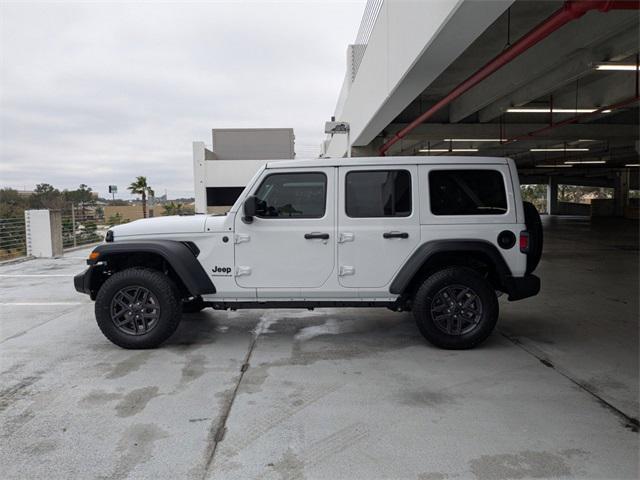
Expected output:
(18, 275)
(40, 304)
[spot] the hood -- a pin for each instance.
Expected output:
(217, 224)
(161, 225)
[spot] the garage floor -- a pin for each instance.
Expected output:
(335, 393)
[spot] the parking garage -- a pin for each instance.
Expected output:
(358, 393)
(553, 85)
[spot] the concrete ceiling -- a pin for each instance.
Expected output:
(559, 71)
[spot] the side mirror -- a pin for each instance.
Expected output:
(250, 208)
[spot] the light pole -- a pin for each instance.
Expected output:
(340, 128)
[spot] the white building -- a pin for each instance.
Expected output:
(220, 174)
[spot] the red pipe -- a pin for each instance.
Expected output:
(571, 10)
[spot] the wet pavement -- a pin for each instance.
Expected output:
(344, 393)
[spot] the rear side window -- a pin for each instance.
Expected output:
(378, 193)
(467, 192)
(293, 195)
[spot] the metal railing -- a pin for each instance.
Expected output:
(13, 238)
(82, 226)
(369, 17)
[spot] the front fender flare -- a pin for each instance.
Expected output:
(177, 254)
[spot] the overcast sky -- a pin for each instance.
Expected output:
(98, 93)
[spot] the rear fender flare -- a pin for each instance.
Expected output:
(425, 252)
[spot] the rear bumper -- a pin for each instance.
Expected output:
(82, 281)
(522, 287)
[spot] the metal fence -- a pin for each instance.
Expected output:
(13, 238)
(371, 12)
(81, 225)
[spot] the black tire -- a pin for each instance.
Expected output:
(193, 305)
(165, 307)
(473, 330)
(536, 235)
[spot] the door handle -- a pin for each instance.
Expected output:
(312, 235)
(395, 235)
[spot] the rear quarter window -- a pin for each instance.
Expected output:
(467, 192)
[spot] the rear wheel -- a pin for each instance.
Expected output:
(138, 308)
(456, 308)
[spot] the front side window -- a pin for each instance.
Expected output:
(293, 195)
(467, 192)
(378, 193)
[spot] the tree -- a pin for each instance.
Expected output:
(536, 194)
(12, 232)
(46, 196)
(12, 205)
(140, 187)
(177, 208)
(82, 196)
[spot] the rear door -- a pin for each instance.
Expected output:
(378, 223)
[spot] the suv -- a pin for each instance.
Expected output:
(441, 238)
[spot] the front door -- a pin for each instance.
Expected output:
(378, 223)
(292, 244)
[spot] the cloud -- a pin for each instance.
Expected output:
(98, 93)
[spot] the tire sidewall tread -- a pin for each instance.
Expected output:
(450, 276)
(156, 282)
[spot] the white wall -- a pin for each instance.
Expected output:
(219, 173)
(38, 230)
(411, 44)
(237, 155)
(252, 143)
(199, 177)
(231, 173)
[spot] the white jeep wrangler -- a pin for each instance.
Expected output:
(441, 237)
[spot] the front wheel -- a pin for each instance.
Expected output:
(456, 308)
(138, 308)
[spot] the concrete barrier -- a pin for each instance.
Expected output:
(44, 233)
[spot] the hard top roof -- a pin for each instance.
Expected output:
(381, 161)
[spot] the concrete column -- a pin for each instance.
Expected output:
(44, 233)
(55, 223)
(200, 177)
(552, 196)
(621, 192)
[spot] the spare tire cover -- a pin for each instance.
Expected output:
(534, 227)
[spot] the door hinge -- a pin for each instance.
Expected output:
(346, 237)
(346, 270)
(241, 237)
(240, 271)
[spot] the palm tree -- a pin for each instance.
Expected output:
(140, 187)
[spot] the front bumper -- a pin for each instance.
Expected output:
(82, 281)
(522, 287)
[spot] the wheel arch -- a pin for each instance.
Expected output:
(432, 256)
(176, 259)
